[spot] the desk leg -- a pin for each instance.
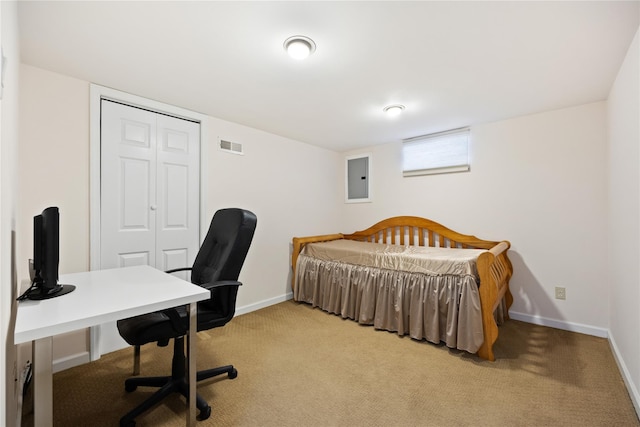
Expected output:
(191, 363)
(43, 382)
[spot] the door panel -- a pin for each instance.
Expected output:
(135, 192)
(135, 133)
(176, 258)
(176, 197)
(130, 260)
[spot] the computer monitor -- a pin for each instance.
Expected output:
(46, 257)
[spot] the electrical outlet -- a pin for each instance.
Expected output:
(561, 293)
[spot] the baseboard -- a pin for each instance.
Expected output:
(262, 304)
(560, 324)
(626, 376)
(70, 361)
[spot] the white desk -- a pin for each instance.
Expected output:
(101, 296)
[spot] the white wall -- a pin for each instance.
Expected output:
(53, 158)
(623, 108)
(9, 390)
(291, 187)
(538, 181)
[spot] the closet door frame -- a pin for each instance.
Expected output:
(96, 94)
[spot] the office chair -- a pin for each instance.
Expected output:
(216, 267)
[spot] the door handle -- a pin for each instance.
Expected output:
(153, 207)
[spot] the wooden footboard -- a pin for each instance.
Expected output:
(494, 267)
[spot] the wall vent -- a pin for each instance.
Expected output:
(231, 147)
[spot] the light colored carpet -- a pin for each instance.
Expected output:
(300, 366)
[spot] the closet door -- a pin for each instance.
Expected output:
(149, 201)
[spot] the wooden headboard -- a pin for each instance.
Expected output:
(413, 230)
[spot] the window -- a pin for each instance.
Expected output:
(441, 152)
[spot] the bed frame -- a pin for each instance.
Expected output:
(494, 266)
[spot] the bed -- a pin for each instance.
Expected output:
(412, 276)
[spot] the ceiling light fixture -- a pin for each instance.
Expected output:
(393, 110)
(299, 47)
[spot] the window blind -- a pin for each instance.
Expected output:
(441, 152)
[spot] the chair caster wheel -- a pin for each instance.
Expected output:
(205, 413)
(127, 423)
(130, 388)
(233, 373)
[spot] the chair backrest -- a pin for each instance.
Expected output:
(222, 255)
(225, 247)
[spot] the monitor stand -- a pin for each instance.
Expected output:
(57, 291)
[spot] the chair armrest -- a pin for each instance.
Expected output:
(176, 322)
(221, 284)
(179, 269)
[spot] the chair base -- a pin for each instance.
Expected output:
(176, 383)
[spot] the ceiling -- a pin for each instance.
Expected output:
(451, 64)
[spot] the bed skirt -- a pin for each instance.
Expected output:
(436, 308)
